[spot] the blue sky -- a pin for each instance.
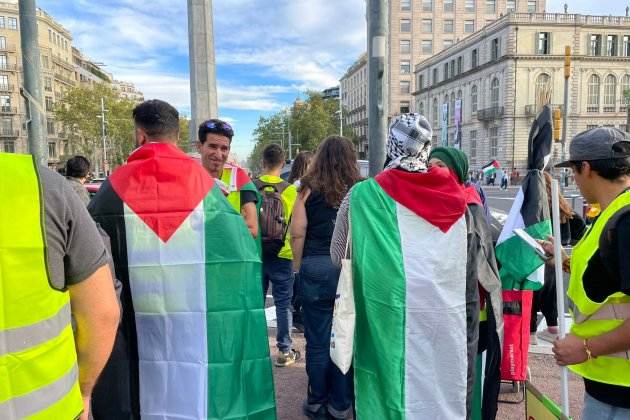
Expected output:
(268, 51)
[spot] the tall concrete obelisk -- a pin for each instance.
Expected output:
(203, 81)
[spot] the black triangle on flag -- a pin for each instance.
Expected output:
(540, 140)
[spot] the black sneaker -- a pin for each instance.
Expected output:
(320, 414)
(288, 358)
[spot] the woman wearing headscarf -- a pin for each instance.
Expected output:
(407, 229)
(483, 305)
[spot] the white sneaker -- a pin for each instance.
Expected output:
(533, 340)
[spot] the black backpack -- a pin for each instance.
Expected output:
(273, 222)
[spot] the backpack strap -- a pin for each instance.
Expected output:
(279, 187)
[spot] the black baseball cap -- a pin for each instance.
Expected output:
(600, 143)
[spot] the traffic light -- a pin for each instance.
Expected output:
(557, 124)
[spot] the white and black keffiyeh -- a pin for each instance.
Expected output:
(409, 143)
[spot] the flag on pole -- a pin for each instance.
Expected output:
(193, 340)
(490, 168)
(410, 338)
(521, 268)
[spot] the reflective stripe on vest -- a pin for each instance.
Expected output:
(592, 319)
(38, 361)
(228, 177)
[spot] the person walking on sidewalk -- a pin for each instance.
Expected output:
(598, 346)
(278, 200)
(333, 171)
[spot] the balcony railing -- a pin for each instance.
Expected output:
(63, 63)
(65, 79)
(8, 110)
(609, 108)
(592, 108)
(489, 114)
(9, 67)
(9, 133)
(6, 87)
(534, 109)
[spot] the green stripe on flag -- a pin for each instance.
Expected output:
(240, 382)
(379, 290)
(518, 260)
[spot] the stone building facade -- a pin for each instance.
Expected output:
(499, 72)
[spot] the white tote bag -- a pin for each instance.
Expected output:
(342, 332)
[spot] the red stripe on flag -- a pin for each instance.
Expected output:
(162, 185)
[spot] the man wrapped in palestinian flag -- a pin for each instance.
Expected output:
(193, 340)
(409, 253)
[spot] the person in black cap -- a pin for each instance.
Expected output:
(598, 346)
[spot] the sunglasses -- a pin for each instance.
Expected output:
(219, 127)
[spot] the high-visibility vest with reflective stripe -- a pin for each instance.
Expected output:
(592, 318)
(38, 360)
(228, 177)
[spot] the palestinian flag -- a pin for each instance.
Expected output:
(409, 251)
(193, 340)
(236, 180)
(521, 267)
(490, 168)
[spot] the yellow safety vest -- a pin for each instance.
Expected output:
(228, 177)
(592, 319)
(38, 360)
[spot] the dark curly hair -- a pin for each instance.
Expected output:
(300, 165)
(333, 170)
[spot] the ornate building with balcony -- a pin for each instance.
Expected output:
(499, 72)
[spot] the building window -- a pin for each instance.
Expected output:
(473, 144)
(6, 126)
(405, 67)
(404, 107)
(593, 94)
(50, 125)
(494, 93)
(494, 49)
(451, 69)
(45, 62)
(405, 46)
(49, 104)
(420, 82)
(427, 26)
(511, 6)
(531, 6)
(3, 42)
(405, 87)
(611, 45)
(2, 23)
(421, 108)
(493, 134)
(460, 64)
(448, 5)
(427, 5)
(405, 25)
(610, 93)
(474, 99)
(469, 26)
(491, 6)
(435, 76)
(9, 146)
(626, 45)
(4, 82)
(474, 59)
(434, 114)
(445, 72)
(625, 91)
(543, 43)
(451, 109)
(595, 45)
(469, 5)
(448, 26)
(543, 86)
(48, 84)
(405, 5)
(427, 46)
(12, 23)
(448, 43)
(52, 150)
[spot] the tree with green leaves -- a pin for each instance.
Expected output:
(309, 122)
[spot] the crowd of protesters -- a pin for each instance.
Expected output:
(166, 282)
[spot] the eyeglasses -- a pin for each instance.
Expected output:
(219, 127)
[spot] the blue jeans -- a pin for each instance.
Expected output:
(326, 384)
(597, 410)
(279, 272)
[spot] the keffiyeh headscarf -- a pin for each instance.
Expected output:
(409, 143)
